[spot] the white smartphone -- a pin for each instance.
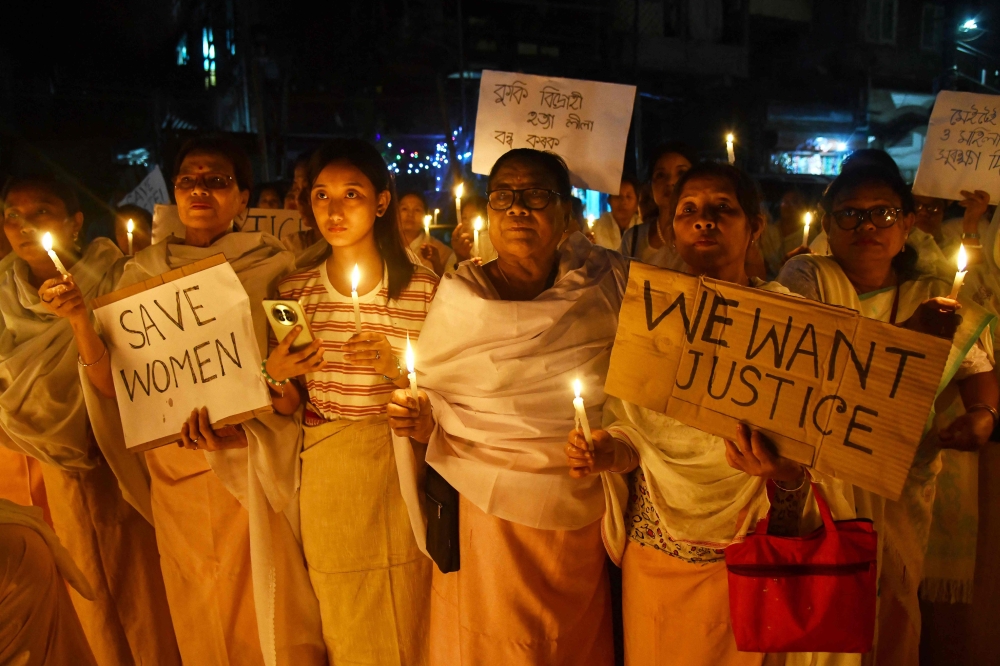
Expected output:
(286, 315)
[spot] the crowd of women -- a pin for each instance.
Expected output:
(469, 523)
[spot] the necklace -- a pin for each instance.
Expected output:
(659, 234)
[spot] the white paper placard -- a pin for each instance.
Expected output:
(151, 191)
(280, 223)
(180, 341)
(585, 122)
(962, 150)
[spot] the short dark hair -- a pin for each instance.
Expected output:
(631, 180)
(367, 159)
(136, 213)
(476, 202)
(550, 162)
(864, 174)
(280, 188)
(577, 207)
(414, 193)
(747, 193)
(870, 157)
(57, 188)
(678, 147)
(224, 147)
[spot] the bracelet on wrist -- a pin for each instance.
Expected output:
(628, 463)
(79, 359)
(974, 235)
(805, 477)
(982, 406)
(399, 371)
(271, 380)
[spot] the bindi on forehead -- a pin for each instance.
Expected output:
(206, 163)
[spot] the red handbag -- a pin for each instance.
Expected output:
(805, 594)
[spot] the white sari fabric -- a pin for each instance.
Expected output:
(499, 376)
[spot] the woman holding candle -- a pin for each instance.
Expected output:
(463, 236)
(868, 212)
(372, 580)
(233, 599)
(692, 494)
(501, 347)
(433, 254)
(43, 415)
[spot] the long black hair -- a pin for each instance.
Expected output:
(365, 158)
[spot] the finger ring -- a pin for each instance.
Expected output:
(194, 439)
(377, 355)
(48, 301)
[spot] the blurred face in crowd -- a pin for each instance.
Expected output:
(791, 207)
(469, 214)
(299, 183)
(666, 172)
(929, 214)
(625, 204)
(521, 231)
(141, 237)
(269, 199)
(712, 233)
(29, 212)
(345, 204)
(208, 197)
(411, 217)
(868, 249)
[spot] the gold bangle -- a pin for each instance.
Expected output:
(981, 406)
(79, 359)
(627, 464)
(805, 477)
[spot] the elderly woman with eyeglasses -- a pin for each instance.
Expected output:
(498, 354)
(869, 211)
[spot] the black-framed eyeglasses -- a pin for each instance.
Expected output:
(211, 181)
(534, 198)
(928, 208)
(882, 217)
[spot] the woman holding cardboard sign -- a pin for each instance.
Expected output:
(43, 415)
(692, 493)
(868, 213)
(236, 583)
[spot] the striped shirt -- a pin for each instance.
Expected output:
(341, 390)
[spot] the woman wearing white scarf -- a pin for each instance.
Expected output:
(869, 212)
(42, 414)
(226, 515)
(499, 350)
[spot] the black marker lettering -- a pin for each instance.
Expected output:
(713, 318)
(750, 386)
(841, 408)
(854, 425)
(809, 330)
(711, 379)
(904, 354)
(195, 308)
(144, 315)
(839, 338)
(679, 301)
(694, 370)
(166, 370)
(772, 335)
(121, 321)
(180, 366)
(201, 363)
(136, 379)
(777, 391)
(219, 347)
(179, 322)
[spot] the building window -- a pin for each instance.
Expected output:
(881, 21)
(208, 51)
(182, 51)
(931, 27)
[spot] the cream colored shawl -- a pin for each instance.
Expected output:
(499, 376)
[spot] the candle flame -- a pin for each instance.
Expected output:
(437, 211)
(130, 226)
(730, 138)
(963, 259)
(808, 218)
(459, 189)
(427, 223)
(355, 278)
(47, 241)
(577, 387)
(477, 224)
(409, 355)
(590, 221)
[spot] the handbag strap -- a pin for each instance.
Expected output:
(824, 509)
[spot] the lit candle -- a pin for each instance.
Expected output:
(355, 279)
(459, 190)
(47, 244)
(729, 148)
(963, 260)
(581, 413)
(437, 211)
(807, 220)
(129, 228)
(590, 222)
(477, 226)
(427, 226)
(411, 375)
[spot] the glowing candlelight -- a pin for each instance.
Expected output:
(47, 244)
(437, 211)
(355, 279)
(807, 220)
(411, 375)
(581, 413)
(129, 228)
(427, 226)
(962, 262)
(590, 222)
(459, 190)
(477, 226)
(729, 148)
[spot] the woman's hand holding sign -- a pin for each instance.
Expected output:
(198, 433)
(751, 453)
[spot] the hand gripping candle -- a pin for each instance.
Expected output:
(47, 244)
(129, 228)
(960, 275)
(410, 373)
(355, 280)
(581, 413)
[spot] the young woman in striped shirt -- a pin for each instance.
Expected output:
(372, 580)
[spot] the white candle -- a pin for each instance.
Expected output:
(411, 375)
(477, 226)
(962, 262)
(459, 190)
(47, 244)
(807, 218)
(427, 227)
(355, 279)
(729, 148)
(437, 211)
(581, 413)
(129, 228)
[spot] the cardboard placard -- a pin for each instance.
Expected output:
(279, 223)
(585, 122)
(962, 149)
(151, 191)
(179, 341)
(840, 393)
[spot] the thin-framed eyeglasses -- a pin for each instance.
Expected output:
(928, 208)
(533, 198)
(211, 181)
(882, 217)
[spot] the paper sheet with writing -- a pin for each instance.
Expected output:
(962, 149)
(585, 122)
(180, 341)
(280, 223)
(846, 395)
(151, 191)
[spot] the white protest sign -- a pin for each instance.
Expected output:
(585, 122)
(280, 223)
(151, 191)
(180, 341)
(962, 149)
